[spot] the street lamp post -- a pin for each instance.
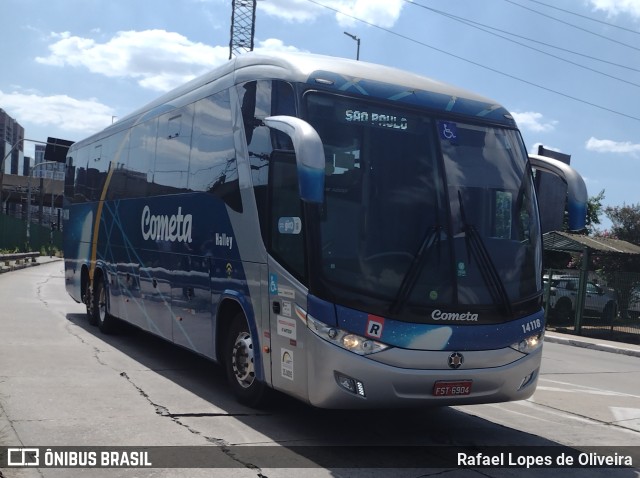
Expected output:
(357, 39)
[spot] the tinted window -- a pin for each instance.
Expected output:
(259, 99)
(116, 152)
(91, 172)
(286, 232)
(213, 166)
(171, 170)
(142, 150)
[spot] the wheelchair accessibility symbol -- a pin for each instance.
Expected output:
(273, 284)
(448, 131)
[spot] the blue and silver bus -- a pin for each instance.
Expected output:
(346, 233)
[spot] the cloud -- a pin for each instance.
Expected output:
(618, 7)
(60, 111)
(534, 148)
(157, 59)
(383, 13)
(295, 11)
(532, 121)
(273, 44)
(610, 146)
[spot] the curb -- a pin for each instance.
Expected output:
(623, 349)
(16, 267)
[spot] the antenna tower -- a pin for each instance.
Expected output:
(243, 27)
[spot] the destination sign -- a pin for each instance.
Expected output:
(377, 118)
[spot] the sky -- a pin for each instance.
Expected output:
(568, 70)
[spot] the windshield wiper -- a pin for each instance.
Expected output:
(431, 237)
(477, 248)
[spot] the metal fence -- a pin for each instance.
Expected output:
(13, 236)
(611, 304)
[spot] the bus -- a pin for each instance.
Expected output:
(346, 233)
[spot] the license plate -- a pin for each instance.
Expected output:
(449, 389)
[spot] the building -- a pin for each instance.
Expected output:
(11, 136)
(47, 171)
(20, 179)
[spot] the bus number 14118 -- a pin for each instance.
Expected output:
(532, 326)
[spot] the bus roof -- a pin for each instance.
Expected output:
(331, 73)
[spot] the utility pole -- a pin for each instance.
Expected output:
(243, 27)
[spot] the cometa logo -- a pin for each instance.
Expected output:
(166, 228)
(454, 316)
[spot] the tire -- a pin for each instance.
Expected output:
(609, 312)
(239, 364)
(563, 310)
(92, 314)
(100, 308)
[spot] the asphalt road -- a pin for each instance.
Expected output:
(62, 383)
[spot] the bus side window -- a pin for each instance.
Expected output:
(213, 167)
(116, 150)
(80, 193)
(255, 104)
(286, 241)
(96, 172)
(142, 150)
(69, 177)
(260, 99)
(172, 151)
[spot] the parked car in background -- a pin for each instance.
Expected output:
(634, 303)
(599, 301)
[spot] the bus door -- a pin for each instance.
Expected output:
(287, 270)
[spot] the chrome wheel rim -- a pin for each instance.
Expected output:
(242, 360)
(102, 304)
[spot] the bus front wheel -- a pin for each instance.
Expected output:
(239, 361)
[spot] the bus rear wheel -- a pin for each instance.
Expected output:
(239, 360)
(99, 308)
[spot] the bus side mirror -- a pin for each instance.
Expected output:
(576, 189)
(309, 155)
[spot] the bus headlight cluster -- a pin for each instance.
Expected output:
(346, 340)
(529, 344)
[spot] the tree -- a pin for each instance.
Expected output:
(594, 210)
(625, 222)
(621, 270)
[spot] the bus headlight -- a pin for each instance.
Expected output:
(346, 340)
(529, 344)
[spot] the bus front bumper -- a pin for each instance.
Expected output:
(342, 379)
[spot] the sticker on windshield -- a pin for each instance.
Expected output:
(448, 130)
(289, 225)
(462, 270)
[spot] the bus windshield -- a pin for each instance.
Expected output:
(422, 213)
